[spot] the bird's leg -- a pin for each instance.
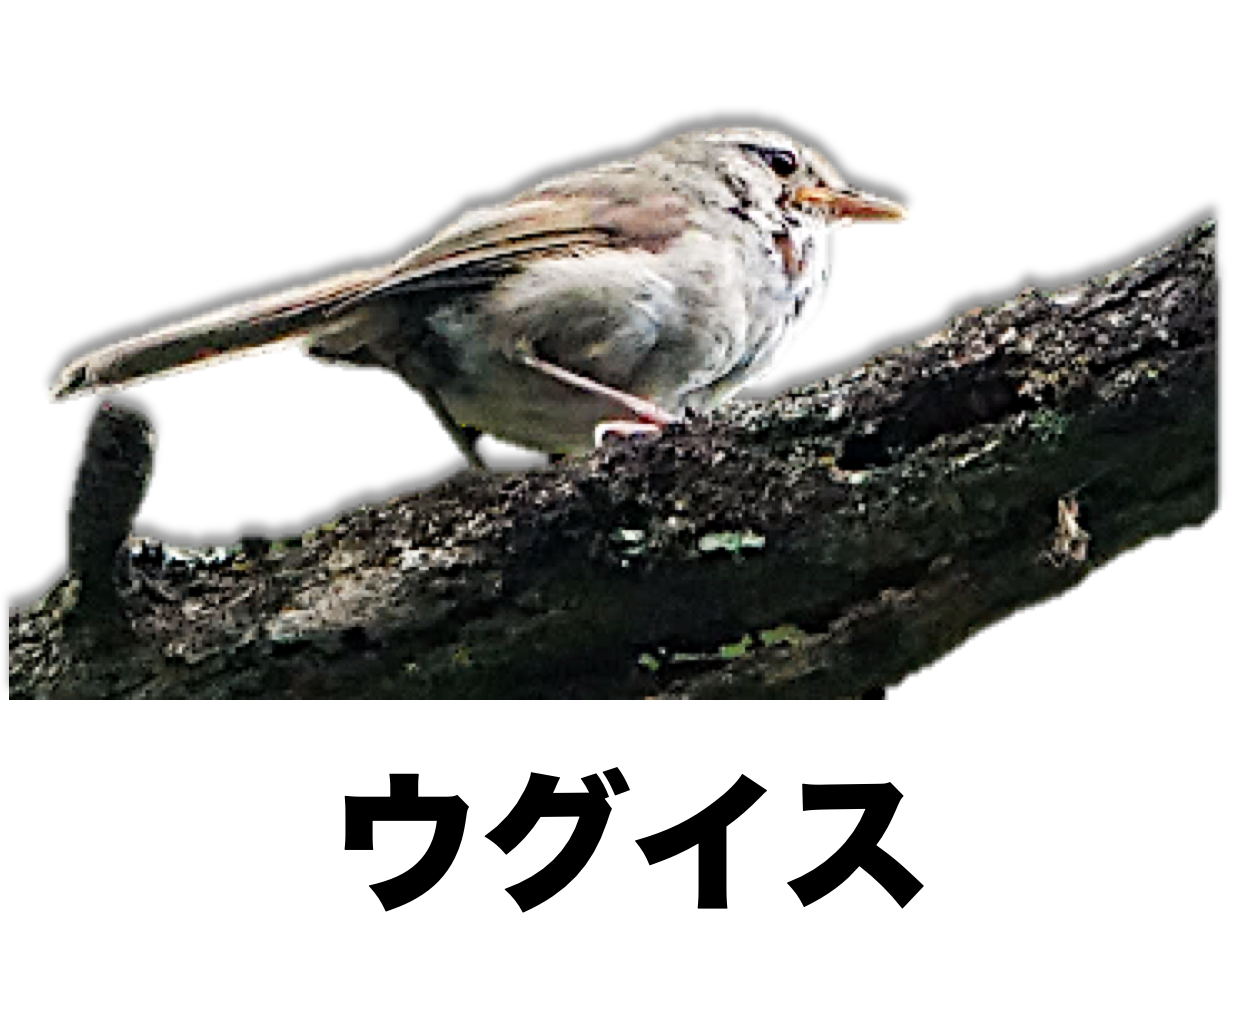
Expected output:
(650, 416)
(465, 436)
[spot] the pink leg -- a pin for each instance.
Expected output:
(645, 410)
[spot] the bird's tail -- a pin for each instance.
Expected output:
(297, 312)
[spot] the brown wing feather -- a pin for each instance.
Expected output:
(578, 214)
(508, 234)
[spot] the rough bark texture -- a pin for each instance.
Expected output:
(825, 543)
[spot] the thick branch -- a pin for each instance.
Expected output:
(825, 543)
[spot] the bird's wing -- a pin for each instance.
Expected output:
(499, 238)
(578, 215)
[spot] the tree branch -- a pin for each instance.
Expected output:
(826, 543)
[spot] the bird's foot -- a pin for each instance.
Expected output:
(631, 431)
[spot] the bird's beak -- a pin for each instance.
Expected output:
(849, 205)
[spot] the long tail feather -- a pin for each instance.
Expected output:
(234, 330)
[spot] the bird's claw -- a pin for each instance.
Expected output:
(632, 431)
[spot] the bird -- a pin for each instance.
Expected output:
(608, 301)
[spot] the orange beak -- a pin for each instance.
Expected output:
(849, 205)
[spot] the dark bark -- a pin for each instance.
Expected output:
(825, 543)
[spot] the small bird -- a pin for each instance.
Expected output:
(608, 300)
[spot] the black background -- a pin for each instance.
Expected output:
(173, 183)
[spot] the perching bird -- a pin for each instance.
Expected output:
(611, 298)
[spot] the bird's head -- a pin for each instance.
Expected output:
(766, 163)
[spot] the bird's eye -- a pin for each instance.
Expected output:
(782, 163)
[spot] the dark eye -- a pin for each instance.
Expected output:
(782, 163)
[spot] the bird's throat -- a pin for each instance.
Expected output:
(793, 258)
